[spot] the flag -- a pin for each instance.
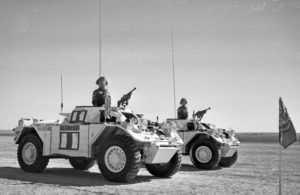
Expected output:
(287, 133)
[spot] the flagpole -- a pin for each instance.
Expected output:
(280, 141)
(279, 167)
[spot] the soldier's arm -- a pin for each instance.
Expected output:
(179, 110)
(94, 100)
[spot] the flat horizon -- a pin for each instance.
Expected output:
(237, 57)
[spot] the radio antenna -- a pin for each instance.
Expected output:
(100, 49)
(173, 60)
(61, 94)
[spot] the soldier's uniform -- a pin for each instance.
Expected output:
(101, 95)
(182, 112)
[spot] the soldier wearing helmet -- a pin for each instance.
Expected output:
(182, 112)
(101, 94)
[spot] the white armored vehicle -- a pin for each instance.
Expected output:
(118, 140)
(207, 145)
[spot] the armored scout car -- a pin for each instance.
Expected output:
(207, 145)
(118, 140)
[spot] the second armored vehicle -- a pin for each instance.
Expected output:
(207, 145)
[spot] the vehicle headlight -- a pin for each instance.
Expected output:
(143, 124)
(216, 133)
(131, 126)
(173, 133)
(176, 138)
(169, 129)
(231, 133)
(174, 127)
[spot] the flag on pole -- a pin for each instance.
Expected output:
(287, 133)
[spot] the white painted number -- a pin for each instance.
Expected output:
(74, 140)
(63, 140)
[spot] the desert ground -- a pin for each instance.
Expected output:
(256, 172)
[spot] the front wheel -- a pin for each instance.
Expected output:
(228, 161)
(119, 159)
(166, 169)
(81, 163)
(30, 154)
(205, 154)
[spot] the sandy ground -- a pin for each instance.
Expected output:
(256, 172)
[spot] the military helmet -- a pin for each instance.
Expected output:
(101, 79)
(183, 100)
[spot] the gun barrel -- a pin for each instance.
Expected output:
(133, 89)
(130, 92)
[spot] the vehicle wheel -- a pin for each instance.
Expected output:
(166, 169)
(119, 159)
(205, 154)
(228, 161)
(30, 154)
(81, 163)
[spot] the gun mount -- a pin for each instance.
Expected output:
(125, 98)
(201, 113)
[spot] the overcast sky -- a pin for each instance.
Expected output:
(237, 57)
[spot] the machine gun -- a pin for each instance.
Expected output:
(125, 98)
(200, 114)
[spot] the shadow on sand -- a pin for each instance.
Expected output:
(64, 177)
(192, 168)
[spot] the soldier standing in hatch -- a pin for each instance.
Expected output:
(101, 94)
(182, 112)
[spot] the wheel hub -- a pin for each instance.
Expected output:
(115, 159)
(203, 154)
(29, 153)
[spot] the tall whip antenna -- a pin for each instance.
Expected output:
(173, 61)
(100, 49)
(61, 94)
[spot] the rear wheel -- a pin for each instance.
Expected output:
(30, 154)
(166, 169)
(119, 159)
(81, 163)
(205, 154)
(228, 161)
